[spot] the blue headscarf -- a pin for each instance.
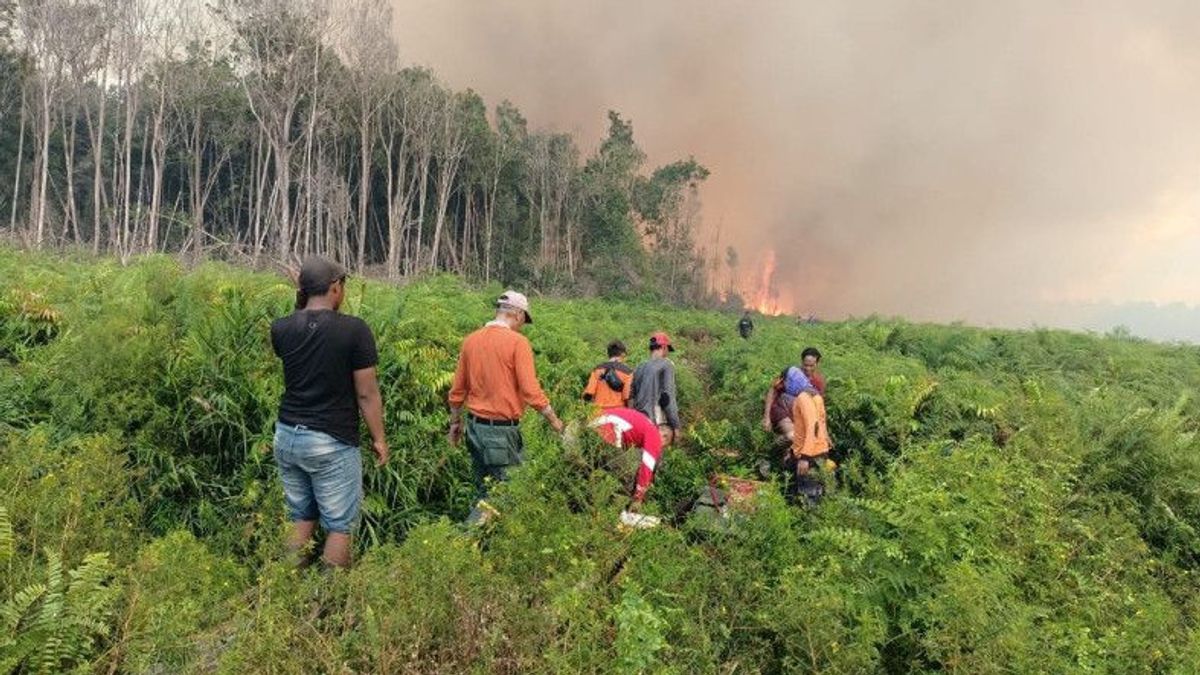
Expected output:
(795, 382)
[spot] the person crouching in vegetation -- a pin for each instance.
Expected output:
(777, 412)
(810, 443)
(653, 389)
(495, 380)
(640, 444)
(609, 384)
(329, 362)
(777, 409)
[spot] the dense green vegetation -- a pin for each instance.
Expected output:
(1009, 501)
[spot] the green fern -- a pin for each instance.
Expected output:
(856, 543)
(53, 626)
(7, 544)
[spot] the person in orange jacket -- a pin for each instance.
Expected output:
(810, 444)
(610, 383)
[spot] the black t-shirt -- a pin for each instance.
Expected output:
(320, 350)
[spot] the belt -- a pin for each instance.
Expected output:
(492, 423)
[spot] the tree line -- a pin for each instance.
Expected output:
(267, 130)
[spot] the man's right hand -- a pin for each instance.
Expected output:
(767, 424)
(455, 434)
(382, 453)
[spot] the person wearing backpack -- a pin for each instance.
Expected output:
(610, 382)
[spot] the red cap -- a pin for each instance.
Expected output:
(661, 339)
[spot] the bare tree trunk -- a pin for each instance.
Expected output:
(283, 186)
(422, 192)
(70, 211)
(12, 216)
(265, 211)
(389, 262)
(139, 221)
(127, 196)
(400, 192)
(116, 173)
(43, 168)
(449, 147)
(196, 168)
(99, 197)
(96, 133)
(364, 185)
(158, 160)
(447, 170)
(468, 210)
(309, 181)
(489, 216)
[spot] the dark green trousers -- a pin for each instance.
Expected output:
(493, 450)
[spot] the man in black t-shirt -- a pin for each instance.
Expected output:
(329, 377)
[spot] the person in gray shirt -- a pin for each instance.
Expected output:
(653, 390)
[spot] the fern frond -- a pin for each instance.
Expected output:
(18, 607)
(7, 541)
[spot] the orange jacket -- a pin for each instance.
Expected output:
(495, 377)
(601, 394)
(808, 414)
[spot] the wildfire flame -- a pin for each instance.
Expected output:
(765, 298)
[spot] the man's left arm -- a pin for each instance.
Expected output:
(370, 403)
(529, 388)
(672, 407)
(364, 359)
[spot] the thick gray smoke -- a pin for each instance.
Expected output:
(999, 162)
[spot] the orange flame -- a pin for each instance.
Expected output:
(766, 299)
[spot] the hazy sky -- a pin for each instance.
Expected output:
(1000, 162)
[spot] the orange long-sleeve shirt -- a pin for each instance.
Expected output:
(495, 377)
(808, 414)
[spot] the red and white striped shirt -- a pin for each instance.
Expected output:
(625, 427)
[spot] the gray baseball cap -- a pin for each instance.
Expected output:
(318, 273)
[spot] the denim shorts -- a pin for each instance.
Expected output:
(322, 477)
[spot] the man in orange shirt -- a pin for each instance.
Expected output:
(495, 381)
(608, 385)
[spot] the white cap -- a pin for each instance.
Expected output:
(513, 300)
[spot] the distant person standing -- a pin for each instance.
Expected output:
(329, 362)
(745, 326)
(610, 383)
(495, 380)
(653, 390)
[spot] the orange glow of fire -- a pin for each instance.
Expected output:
(765, 299)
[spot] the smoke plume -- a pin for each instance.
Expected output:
(995, 162)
